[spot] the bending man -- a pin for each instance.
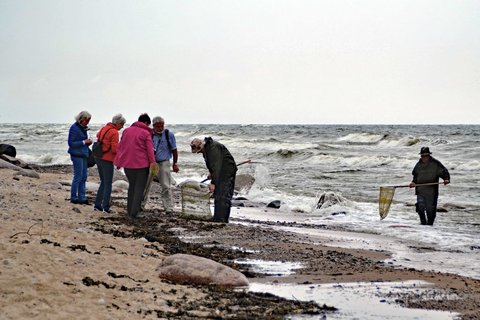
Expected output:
(222, 168)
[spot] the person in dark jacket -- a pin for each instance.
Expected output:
(78, 142)
(222, 168)
(428, 170)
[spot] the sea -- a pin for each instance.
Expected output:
(296, 164)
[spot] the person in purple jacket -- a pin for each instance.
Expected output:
(135, 155)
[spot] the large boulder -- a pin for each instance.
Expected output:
(7, 165)
(28, 173)
(244, 182)
(9, 150)
(190, 269)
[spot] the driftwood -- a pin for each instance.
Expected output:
(28, 231)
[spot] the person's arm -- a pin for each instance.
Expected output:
(114, 141)
(215, 161)
(174, 150)
(444, 174)
(75, 139)
(149, 149)
(175, 159)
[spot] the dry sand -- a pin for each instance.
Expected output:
(61, 261)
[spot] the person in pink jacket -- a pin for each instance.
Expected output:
(135, 155)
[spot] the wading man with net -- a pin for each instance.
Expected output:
(222, 168)
(427, 171)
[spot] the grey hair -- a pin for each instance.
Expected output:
(197, 144)
(82, 116)
(157, 120)
(118, 119)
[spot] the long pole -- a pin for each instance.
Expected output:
(418, 185)
(238, 164)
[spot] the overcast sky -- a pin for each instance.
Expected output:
(246, 61)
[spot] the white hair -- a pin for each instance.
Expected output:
(82, 116)
(157, 120)
(118, 119)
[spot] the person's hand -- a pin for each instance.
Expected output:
(87, 141)
(445, 182)
(412, 184)
(154, 169)
(211, 187)
(175, 168)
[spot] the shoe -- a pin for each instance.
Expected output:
(74, 201)
(84, 202)
(95, 208)
(107, 211)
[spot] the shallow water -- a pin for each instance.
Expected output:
(369, 301)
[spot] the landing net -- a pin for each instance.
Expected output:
(385, 200)
(195, 200)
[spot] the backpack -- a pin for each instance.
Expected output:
(97, 147)
(167, 135)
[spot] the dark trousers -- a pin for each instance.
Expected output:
(137, 181)
(104, 193)
(223, 198)
(426, 208)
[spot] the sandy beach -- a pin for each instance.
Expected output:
(61, 261)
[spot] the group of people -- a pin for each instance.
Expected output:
(144, 153)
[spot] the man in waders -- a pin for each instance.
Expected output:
(427, 171)
(222, 168)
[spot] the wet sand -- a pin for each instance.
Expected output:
(61, 260)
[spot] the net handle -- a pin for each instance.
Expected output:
(417, 185)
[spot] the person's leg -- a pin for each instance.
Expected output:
(431, 209)
(141, 177)
(420, 205)
(165, 179)
(132, 178)
(82, 186)
(77, 171)
(101, 188)
(107, 191)
(223, 199)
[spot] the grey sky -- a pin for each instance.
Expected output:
(247, 61)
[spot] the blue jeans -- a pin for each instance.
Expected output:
(79, 182)
(104, 193)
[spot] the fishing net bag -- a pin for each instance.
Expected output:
(385, 200)
(195, 200)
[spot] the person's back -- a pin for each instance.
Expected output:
(218, 159)
(135, 149)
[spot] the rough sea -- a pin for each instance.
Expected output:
(297, 163)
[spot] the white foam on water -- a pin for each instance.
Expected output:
(359, 300)
(278, 268)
